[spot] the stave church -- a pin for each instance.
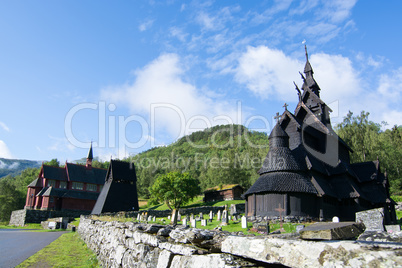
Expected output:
(307, 171)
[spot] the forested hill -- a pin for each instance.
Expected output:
(223, 154)
(14, 167)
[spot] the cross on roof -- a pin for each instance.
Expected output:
(277, 117)
(286, 106)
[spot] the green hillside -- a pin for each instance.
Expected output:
(225, 154)
(14, 167)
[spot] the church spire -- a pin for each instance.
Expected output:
(309, 81)
(89, 157)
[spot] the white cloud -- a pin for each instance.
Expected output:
(338, 10)
(14, 165)
(146, 25)
(176, 103)
(268, 72)
(4, 126)
(4, 151)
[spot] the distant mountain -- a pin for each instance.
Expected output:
(14, 167)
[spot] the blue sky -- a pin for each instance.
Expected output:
(130, 75)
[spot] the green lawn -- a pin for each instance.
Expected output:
(69, 250)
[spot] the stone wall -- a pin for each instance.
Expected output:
(23, 216)
(132, 244)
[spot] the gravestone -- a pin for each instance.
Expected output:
(211, 215)
(244, 222)
(138, 217)
(184, 222)
(233, 210)
(219, 215)
(178, 216)
(193, 223)
(52, 225)
(299, 228)
(203, 222)
(149, 218)
(373, 219)
(191, 217)
(335, 219)
(201, 216)
(174, 217)
(262, 227)
(154, 218)
(225, 219)
(393, 228)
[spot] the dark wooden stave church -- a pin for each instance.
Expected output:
(307, 171)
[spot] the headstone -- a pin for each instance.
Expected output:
(138, 217)
(233, 210)
(262, 227)
(373, 219)
(203, 222)
(211, 215)
(154, 218)
(52, 225)
(184, 222)
(332, 231)
(149, 218)
(229, 218)
(335, 219)
(201, 216)
(169, 217)
(173, 219)
(191, 217)
(219, 215)
(225, 219)
(299, 228)
(178, 216)
(193, 223)
(244, 222)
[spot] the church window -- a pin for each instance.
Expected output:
(51, 183)
(78, 186)
(63, 185)
(91, 187)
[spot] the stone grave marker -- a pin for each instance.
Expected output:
(203, 222)
(191, 217)
(335, 219)
(244, 222)
(149, 218)
(154, 218)
(225, 219)
(52, 225)
(211, 215)
(262, 227)
(193, 223)
(392, 228)
(233, 210)
(138, 217)
(201, 216)
(299, 228)
(184, 222)
(174, 217)
(219, 215)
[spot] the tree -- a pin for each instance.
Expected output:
(175, 189)
(54, 163)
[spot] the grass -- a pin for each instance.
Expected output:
(34, 226)
(69, 250)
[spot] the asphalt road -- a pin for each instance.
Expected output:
(18, 245)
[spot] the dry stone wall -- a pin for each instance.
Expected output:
(150, 245)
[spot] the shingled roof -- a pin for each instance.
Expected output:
(80, 173)
(54, 173)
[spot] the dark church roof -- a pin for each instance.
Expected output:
(80, 173)
(54, 173)
(282, 182)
